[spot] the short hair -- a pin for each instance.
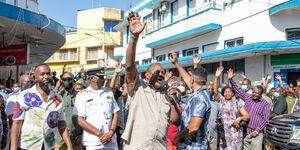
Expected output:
(247, 81)
(227, 87)
(200, 74)
(281, 88)
(260, 88)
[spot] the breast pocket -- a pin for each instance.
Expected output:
(91, 107)
(108, 108)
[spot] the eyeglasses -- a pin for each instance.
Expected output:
(68, 79)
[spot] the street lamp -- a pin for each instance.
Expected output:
(103, 41)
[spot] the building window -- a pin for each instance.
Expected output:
(174, 11)
(211, 67)
(293, 34)
(92, 54)
(109, 26)
(73, 54)
(191, 51)
(16, 2)
(137, 63)
(234, 42)
(160, 58)
(236, 65)
(169, 55)
(146, 61)
(192, 6)
(63, 55)
(158, 19)
(4, 1)
(149, 25)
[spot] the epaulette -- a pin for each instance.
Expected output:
(81, 91)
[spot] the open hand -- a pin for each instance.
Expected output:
(136, 27)
(230, 74)
(196, 59)
(219, 71)
(278, 77)
(174, 57)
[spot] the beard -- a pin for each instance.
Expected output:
(44, 86)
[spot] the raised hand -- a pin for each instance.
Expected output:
(196, 59)
(243, 76)
(136, 27)
(168, 75)
(278, 77)
(174, 57)
(118, 67)
(219, 71)
(230, 74)
(269, 77)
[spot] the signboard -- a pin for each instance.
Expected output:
(14, 55)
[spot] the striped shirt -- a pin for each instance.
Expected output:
(258, 110)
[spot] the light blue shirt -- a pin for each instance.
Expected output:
(197, 106)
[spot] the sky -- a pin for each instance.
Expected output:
(65, 11)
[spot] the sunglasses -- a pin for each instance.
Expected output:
(68, 79)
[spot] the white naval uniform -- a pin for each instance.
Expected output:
(97, 106)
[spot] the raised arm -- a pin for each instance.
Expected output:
(269, 77)
(184, 75)
(113, 81)
(217, 77)
(136, 28)
(278, 77)
(239, 92)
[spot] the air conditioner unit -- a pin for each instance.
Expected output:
(164, 7)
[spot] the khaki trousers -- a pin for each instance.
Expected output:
(253, 143)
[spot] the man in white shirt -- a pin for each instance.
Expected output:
(96, 111)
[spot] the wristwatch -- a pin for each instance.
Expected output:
(113, 130)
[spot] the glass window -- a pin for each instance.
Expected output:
(73, 54)
(191, 51)
(63, 55)
(146, 61)
(234, 42)
(92, 54)
(192, 6)
(174, 11)
(160, 58)
(149, 25)
(109, 26)
(211, 67)
(236, 65)
(293, 34)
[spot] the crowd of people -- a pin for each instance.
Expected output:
(156, 112)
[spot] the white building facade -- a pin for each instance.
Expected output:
(255, 38)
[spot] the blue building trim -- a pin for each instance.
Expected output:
(184, 19)
(205, 27)
(285, 5)
(118, 56)
(12, 12)
(260, 46)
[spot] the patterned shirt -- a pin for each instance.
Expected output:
(258, 110)
(197, 106)
(40, 118)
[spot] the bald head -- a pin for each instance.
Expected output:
(154, 74)
(26, 81)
